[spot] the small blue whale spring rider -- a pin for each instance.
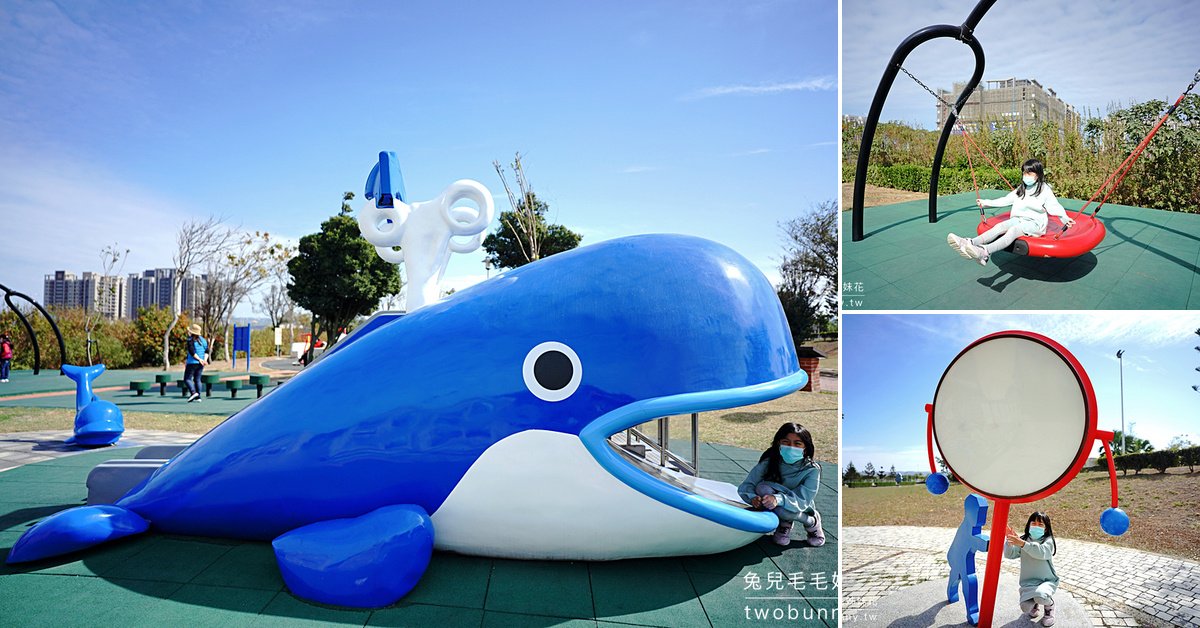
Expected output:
(97, 422)
(447, 427)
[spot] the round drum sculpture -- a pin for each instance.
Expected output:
(995, 393)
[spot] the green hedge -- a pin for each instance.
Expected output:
(1161, 460)
(951, 180)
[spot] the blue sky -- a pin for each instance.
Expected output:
(120, 121)
(891, 365)
(1091, 53)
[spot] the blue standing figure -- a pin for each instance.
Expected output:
(968, 540)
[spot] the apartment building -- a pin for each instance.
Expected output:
(1010, 103)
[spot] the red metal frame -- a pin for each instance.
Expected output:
(1000, 512)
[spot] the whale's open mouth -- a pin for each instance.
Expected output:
(695, 497)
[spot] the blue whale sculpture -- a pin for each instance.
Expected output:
(480, 425)
(97, 422)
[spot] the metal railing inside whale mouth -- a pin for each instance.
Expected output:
(709, 489)
(657, 451)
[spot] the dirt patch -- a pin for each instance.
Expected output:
(875, 196)
(1164, 509)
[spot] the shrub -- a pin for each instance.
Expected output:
(1190, 457)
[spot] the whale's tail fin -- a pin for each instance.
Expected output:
(83, 376)
(83, 373)
(75, 529)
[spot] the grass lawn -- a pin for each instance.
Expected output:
(1164, 509)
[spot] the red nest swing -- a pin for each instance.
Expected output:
(1057, 241)
(1088, 231)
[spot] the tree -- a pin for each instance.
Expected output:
(869, 470)
(808, 290)
(1179, 442)
(337, 275)
(851, 474)
(1132, 444)
(247, 263)
(106, 291)
(276, 304)
(524, 236)
(196, 242)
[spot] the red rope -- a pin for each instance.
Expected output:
(1127, 165)
(971, 165)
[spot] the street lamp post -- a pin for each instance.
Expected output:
(1121, 364)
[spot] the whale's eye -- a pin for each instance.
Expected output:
(552, 371)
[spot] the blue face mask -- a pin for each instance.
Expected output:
(1029, 180)
(1036, 532)
(791, 455)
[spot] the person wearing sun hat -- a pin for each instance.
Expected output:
(197, 358)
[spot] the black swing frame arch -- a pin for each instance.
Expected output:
(965, 33)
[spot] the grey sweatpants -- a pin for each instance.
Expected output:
(804, 519)
(999, 237)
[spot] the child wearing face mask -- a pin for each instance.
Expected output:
(1031, 203)
(785, 481)
(1036, 550)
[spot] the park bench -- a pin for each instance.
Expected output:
(162, 379)
(208, 379)
(260, 380)
(140, 387)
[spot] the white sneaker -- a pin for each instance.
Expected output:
(982, 255)
(959, 244)
(194, 397)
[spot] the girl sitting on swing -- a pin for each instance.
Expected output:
(1031, 203)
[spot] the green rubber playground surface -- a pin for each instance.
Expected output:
(22, 383)
(1147, 261)
(164, 580)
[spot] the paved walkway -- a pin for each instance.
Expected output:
(21, 448)
(1117, 586)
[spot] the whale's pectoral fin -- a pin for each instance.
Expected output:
(369, 561)
(75, 529)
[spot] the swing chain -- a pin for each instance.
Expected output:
(949, 106)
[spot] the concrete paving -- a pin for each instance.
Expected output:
(925, 606)
(21, 448)
(1116, 586)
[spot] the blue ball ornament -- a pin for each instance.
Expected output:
(937, 483)
(1114, 521)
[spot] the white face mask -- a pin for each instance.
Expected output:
(1029, 180)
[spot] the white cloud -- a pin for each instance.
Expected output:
(823, 83)
(59, 214)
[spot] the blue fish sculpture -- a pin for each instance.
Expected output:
(97, 422)
(480, 425)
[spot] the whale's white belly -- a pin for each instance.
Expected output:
(540, 495)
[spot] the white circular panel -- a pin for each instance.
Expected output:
(1010, 417)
